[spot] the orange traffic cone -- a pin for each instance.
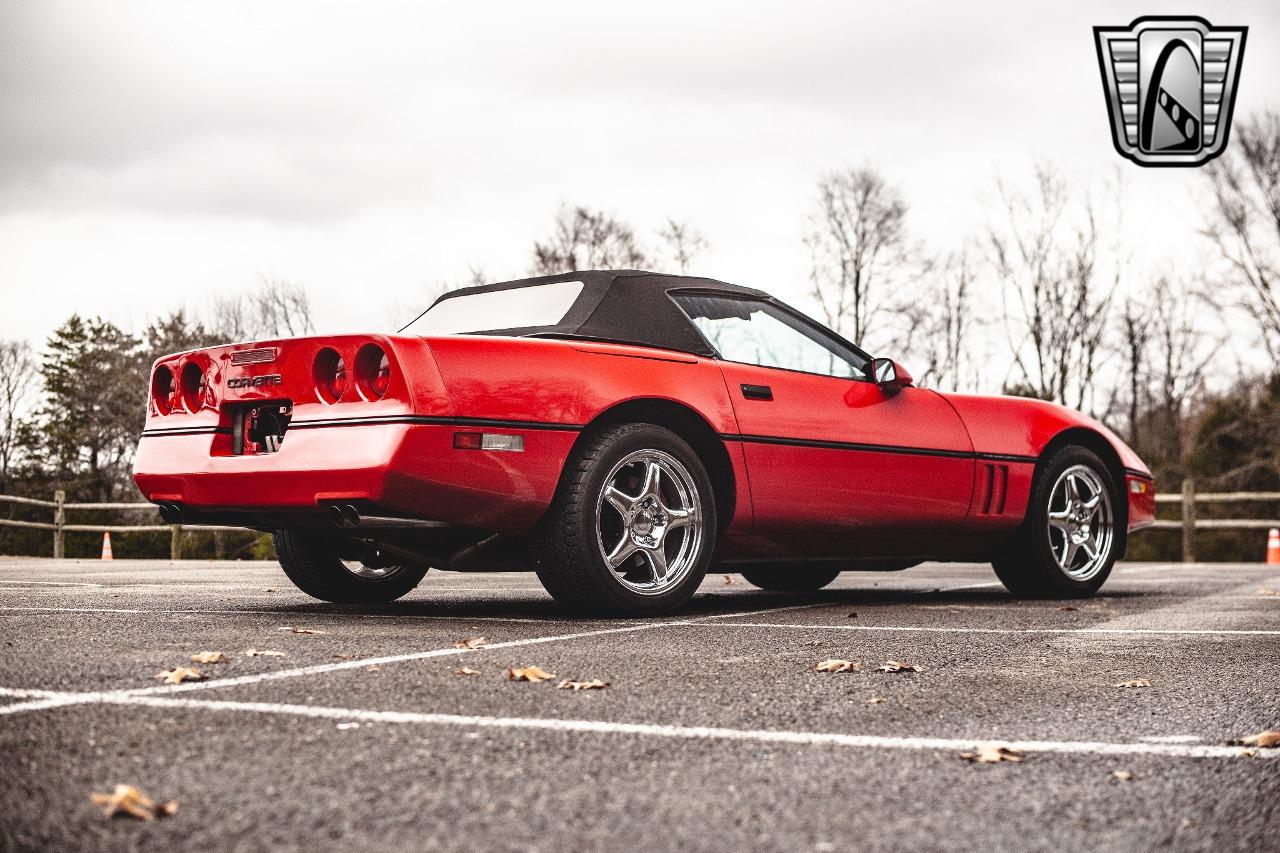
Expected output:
(1273, 547)
(106, 546)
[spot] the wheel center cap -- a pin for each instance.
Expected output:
(648, 521)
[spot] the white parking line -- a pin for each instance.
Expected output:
(938, 629)
(1179, 746)
(693, 732)
(317, 669)
(296, 614)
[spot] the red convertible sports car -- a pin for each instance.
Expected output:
(620, 432)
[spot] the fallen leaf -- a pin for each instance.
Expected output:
(876, 700)
(179, 674)
(466, 670)
(1134, 682)
(528, 673)
(992, 754)
(728, 580)
(373, 667)
(304, 630)
(1066, 608)
(593, 684)
(1266, 740)
(263, 653)
(126, 799)
(837, 665)
(271, 589)
(209, 657)
(1122, 775)
(897, 666)
(470, 643)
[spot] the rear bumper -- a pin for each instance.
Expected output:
(408, 469)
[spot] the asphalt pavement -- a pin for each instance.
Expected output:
(715, 732)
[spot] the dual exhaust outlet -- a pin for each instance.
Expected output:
(345, 516)
(348, 517)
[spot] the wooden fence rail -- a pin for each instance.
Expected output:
(1188, 524)
(60, 527)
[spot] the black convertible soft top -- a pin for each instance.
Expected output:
(621, 306)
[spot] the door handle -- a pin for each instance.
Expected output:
(757, 392)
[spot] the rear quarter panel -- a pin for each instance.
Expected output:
(572, 383)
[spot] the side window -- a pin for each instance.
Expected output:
(754, 332)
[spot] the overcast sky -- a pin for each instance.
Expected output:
(158, 154)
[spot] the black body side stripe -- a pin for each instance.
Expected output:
(381, 419)
(876, 448)
(495, 423)
(195, 430)
(439, 421)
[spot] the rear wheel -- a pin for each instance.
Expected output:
(1068, 543)
(632, 526)
(798, 579)
(312, 560)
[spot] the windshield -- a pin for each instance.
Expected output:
(495, 310)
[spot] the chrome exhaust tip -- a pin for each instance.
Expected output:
(170, 513)
(345, 515)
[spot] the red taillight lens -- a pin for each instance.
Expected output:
(330, 375)
(162, 389)
(192, 386)
(373, 372)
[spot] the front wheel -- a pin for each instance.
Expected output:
(313, 561)
(1067, 545)
(632, 526)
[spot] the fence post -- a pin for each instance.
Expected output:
(175, 542)
(1188, 520)
(59, 519)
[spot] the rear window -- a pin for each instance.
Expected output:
(517, 308)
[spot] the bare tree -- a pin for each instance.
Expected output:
(682, 243)
(1048, 268)
(276, 309)
(587, 239)
(1246, 225)
(17, 370)
(939, 326)
(858, 248)
(1135, 331)
(1179, 351)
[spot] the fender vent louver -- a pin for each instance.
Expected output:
(262, 355)
(994, 480)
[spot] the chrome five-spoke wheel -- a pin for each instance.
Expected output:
(649, 523)
(1080, 522)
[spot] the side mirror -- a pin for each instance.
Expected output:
(890, 376)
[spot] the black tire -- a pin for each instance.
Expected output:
(1028, 565)
(311, 560)
(798, 579)
(570, 562)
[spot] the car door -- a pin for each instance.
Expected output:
(826, 449)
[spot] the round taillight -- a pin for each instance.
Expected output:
(162, 389)
(192, 386)
(373, 372)
(330, 375)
